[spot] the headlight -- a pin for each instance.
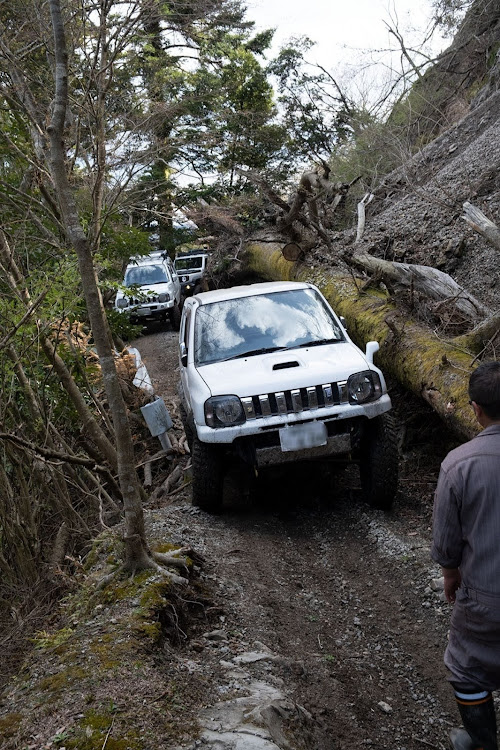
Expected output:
(184, 279)
(163, 297)
(363, 387)
(122, 302)
(224, 411)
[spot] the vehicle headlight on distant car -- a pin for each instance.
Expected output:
(163, 297)
(363, 387)
(122, 302)
(224, 411)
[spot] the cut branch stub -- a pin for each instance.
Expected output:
(425, 279)
(481, 224)
(292, 252)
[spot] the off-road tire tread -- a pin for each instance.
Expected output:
(208, 474)
(188, 428)
(379, 463)
(175, 316)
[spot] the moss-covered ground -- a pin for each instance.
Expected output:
(107, 675)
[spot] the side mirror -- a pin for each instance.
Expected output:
(184, 354)
(371, 348)
(342, 320)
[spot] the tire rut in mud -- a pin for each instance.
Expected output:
(313, 587)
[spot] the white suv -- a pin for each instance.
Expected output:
(155, 290)
(269, 375)
(191, 265)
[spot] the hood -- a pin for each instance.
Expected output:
(279, 371)
(151, 289)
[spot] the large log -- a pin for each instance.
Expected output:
(435, 369)
(481, 224)
(432, 282)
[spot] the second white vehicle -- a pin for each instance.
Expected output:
(155, 291)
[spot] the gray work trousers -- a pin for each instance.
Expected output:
(473, 652)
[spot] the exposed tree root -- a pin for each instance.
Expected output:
(141, 558)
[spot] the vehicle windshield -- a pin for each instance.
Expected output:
(194, 263)
(262, 323)
(143, 275)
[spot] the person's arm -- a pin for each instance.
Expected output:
(447, 537)
(452, 581)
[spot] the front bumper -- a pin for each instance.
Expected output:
(337, 445)
(227, 435)
(154, 311)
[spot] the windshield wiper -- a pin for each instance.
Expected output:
(319, 342)
(254, 352)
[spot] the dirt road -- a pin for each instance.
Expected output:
(339, 592)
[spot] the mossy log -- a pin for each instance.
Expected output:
(435, 369)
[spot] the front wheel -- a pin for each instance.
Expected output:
(175, 316)
(379, 462)
(188, 428)
(208, 475)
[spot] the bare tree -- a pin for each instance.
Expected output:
(138, 554)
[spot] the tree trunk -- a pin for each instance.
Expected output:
(430, 281)
(481, 224)
(129, 485)
(434, 369)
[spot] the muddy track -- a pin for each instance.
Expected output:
(338, 590)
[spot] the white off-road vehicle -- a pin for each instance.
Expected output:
(191, 265)
(152, 290)
(269, 375)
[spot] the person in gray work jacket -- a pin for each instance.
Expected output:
(466, 543)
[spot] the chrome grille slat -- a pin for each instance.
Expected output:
(296, 400)
(265, 406)
(281, 402)
(312, 398)
(343, 394)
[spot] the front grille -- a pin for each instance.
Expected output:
(143, 302)
(295, 401)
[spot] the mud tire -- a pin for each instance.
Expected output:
(175, 316)
(188, 427)
(208, 475)
(379, 462)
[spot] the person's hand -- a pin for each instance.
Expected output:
(452, 581)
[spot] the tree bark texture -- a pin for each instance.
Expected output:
(129, 485)
(482, 225)
(434, 369)
(430, 281)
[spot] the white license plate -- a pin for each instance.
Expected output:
(298, 437)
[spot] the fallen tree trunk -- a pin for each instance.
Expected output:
(482, 225)
(430, 281)
(434, 369)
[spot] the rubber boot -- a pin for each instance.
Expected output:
(479, 720)
(460, 740)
